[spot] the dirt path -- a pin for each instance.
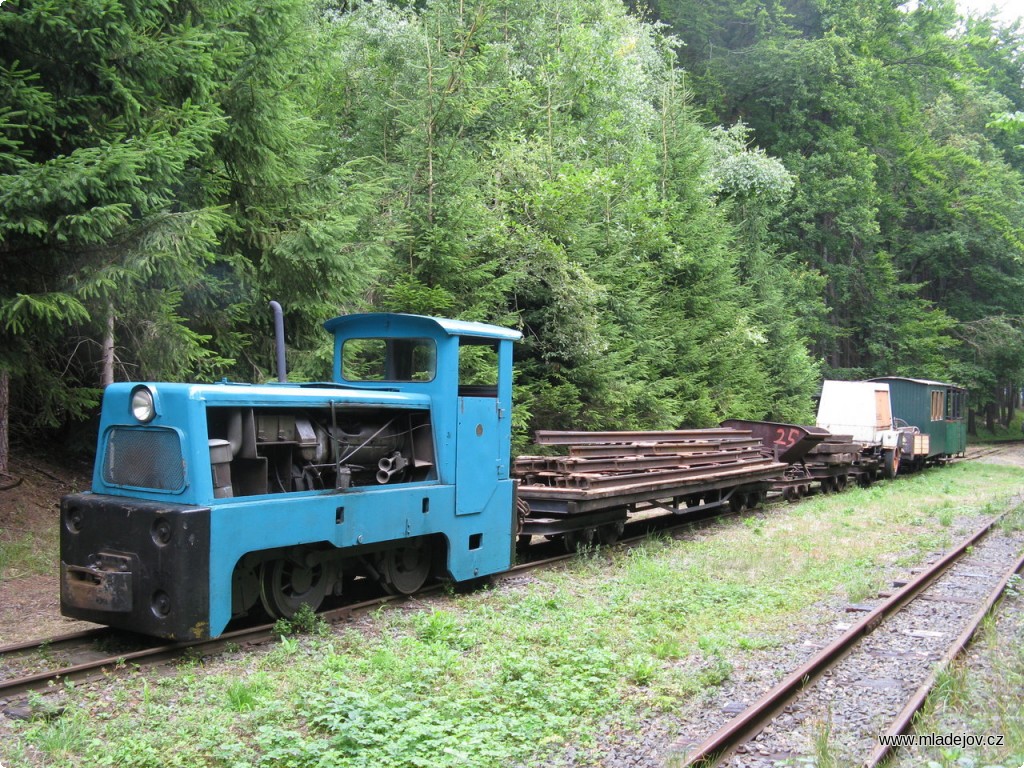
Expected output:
(29, 518)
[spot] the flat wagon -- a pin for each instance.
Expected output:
(607, 477)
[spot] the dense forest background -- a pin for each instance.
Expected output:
(694, 209)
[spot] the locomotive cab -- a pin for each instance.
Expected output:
(213, 500)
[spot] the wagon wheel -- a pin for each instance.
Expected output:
(404, 569)
(609, 533)
(286, 585)
(892, 463)
(577, 541)
(791, 494)
(738, 502)
(840, 481)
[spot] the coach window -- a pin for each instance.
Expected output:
(938, 406)
(389, 360)
(478, 368)
(954, 405)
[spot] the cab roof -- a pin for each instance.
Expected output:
(390, 323)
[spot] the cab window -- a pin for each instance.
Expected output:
(478, 368)
(384, 360)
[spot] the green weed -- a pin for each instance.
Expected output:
(1014, 586)
(440, 627)
(862, 585)
(755, 643)
(642, 669)
(949, 688)
(715, 674)
(754, 523)
(246, 695)
(26, 555)
(667, 649)
(60, 737)
(306, 621)
(1013, 520)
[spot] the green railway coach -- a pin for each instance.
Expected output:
(938, 412)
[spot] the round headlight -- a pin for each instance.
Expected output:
(143, 407)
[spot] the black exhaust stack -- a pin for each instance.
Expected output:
(282, 372)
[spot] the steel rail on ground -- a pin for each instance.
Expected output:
(748, 723)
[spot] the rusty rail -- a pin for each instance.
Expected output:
(642, 448)
(904, 720)
(628, 463)
(748, 723)
(160, 652)
(638, 461)
(554, 437)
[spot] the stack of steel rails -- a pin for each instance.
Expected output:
(604, 460)
(602, 479)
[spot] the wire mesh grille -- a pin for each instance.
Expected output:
(144, 458)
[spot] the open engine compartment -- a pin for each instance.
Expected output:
(261, 450)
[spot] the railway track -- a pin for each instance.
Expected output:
(993, 449)
(871, 680)
(39, 665)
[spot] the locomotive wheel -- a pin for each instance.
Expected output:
(403, 570)
(286, 585)
(578, 541)
(245, 589)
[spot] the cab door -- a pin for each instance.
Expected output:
(478, 448)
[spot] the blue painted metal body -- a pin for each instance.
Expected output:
(467, 496)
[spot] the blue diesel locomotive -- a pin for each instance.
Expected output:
(210, 499)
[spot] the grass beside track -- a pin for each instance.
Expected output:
(979, 695)
(506, 676)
